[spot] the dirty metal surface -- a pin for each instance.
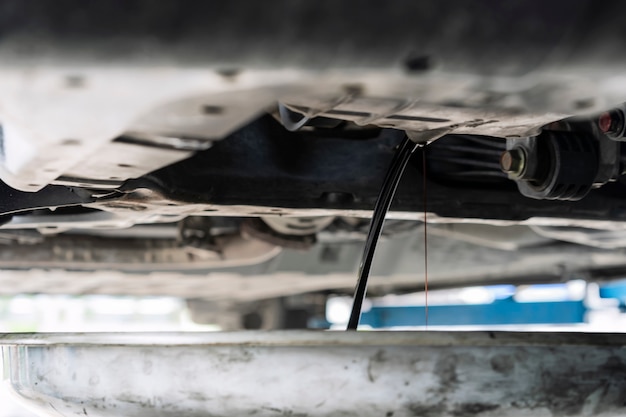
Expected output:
(319, 374)
(414, 115)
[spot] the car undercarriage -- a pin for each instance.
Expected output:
(231, 153)
(136, 153)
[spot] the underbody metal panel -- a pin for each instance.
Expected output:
(73, 82)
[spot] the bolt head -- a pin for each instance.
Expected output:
(611, 123)
(513, 162)
(605, 121)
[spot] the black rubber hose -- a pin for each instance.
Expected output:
(385, 197)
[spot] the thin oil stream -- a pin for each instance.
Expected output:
(385, 197)
(425, 237)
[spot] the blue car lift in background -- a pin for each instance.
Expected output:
(504, 310)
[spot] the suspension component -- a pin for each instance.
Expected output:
(557, 165)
